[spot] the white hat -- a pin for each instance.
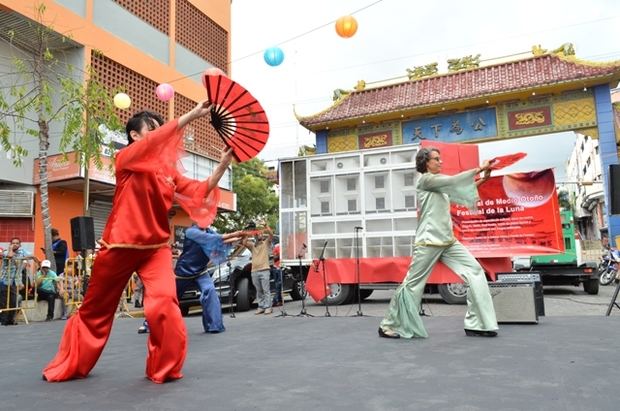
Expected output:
(46, 264)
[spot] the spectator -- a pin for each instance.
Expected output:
(11, 280)
(61, 252)
(259, 246)
(276, 272)
(199, 247)
(46, 287)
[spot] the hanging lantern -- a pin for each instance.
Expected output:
(211, 71)
(346, 26)
(122, 101)
(274, 56)
(214, 71)
(164, 92)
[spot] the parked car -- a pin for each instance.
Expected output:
(237, 272)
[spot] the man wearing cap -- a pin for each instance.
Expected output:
(46, 287)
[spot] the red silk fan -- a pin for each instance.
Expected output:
(236, 116)
(507, 160)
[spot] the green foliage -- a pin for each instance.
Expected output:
(564, 200)
(256, 199)
(45, 90)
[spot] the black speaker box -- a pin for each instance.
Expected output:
(614, 189)
(82, 233)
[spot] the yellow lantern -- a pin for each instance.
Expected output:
(346, 26)
(122, 101)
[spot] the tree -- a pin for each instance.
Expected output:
(46, 91)
(256, 199)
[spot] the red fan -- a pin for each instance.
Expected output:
(507, 160)
(236, 116)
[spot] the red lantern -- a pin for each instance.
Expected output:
(346, 26)
(211, 71)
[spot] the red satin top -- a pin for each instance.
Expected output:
(147, 182)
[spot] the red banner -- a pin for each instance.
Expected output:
(518, 214)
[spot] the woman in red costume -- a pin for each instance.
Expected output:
(135, 239)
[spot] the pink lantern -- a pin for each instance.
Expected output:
(164, 92)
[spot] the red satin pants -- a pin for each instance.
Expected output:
(87, 332)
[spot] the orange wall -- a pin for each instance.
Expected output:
(64, 205)
(85, 32)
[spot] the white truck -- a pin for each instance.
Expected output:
(361, 204)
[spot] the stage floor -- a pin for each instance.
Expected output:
(269, 363)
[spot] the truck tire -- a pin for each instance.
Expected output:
(454, 293)
(340, 294)
(591, 286)
(243, 295)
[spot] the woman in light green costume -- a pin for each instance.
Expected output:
(434, 242)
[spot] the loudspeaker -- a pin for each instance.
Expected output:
(82, 233)
(514, 302)
(614, 189)
(527, 277)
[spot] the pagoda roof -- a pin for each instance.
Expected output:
(547, 73)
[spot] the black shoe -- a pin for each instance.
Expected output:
(384, 335)
(480, 333)
(48, 319)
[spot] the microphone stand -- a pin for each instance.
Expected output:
(322, 262)
(357, 270)
(303, 312)
(232, 292)
(283, 312)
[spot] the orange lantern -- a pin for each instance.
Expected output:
(346, 26)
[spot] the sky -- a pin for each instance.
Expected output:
(394, 35)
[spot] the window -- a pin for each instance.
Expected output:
(324, 207)
(324, 186)
(380, 203)
(352, 205)
(409, 201)
(379, 181)
(408, 179)
(582, 146)
(588, 162)
(351, 184)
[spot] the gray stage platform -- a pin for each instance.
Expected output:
(268, 363)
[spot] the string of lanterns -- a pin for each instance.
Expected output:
(345, 26)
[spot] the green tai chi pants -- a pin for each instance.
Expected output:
(403, 314)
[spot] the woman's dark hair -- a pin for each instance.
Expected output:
(151, 119)
(423, 156)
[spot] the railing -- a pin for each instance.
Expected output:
(19, 275)
(71, 286)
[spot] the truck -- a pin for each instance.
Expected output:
(358, 209)
(567, 268)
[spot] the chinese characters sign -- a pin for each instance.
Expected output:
(380, 139)
(456, 127)
(535, 117)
